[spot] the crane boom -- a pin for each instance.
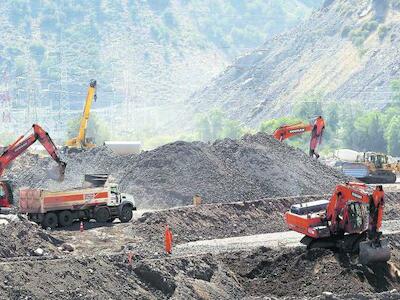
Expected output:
(80, 141)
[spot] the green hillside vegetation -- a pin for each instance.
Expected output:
(348, 126)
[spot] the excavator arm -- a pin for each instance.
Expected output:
(287, 131)
(317, 128)
(23, 143)
(80, 140)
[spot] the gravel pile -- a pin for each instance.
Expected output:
(253, 167)
(23, 238)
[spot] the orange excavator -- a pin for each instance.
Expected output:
(317, 128)
(14, 150)
(350, 221)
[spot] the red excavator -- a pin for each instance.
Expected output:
(16, 149)
(317, 128)
(349, 221)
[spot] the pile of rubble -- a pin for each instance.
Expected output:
(20, 237)
(253, 167)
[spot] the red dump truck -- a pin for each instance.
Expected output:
(52, 209)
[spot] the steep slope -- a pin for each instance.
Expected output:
(347, 51)
(146, 55)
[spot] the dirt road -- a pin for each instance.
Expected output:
(275, 240)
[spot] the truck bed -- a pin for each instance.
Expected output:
(41, 201)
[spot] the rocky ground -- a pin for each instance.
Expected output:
(22, 238)
(253, 167)
(99, 267)
(119, 261)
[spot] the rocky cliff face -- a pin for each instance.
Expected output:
(346, 52)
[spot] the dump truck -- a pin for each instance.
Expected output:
(62, 208)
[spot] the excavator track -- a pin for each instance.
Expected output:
(346, 243)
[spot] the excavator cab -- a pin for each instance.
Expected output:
(358, 217)
(350, 221)
(6, 195)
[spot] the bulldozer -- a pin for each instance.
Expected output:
(380, 168)
(368, 167)
(349, 221)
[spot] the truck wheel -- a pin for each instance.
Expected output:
(102, 215)
(126, 214)
(50, 220)
(65, 218)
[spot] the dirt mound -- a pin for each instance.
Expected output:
(110, 277)
(298, 273)
(252, 167)
(23, 238)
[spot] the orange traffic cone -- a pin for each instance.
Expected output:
(168, 240)
(81, 227)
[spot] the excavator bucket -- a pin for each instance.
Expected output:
(57, 172)
(374, 252)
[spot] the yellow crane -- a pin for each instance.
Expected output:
(81, 141)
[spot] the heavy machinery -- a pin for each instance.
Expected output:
(368, 167)
(349, 221)
(100, 200)
(81, 142)
(16, 149)
(317, 128)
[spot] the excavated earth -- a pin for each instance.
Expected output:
(253, 167)
(246, 186)
(23, 238)
(99, 268)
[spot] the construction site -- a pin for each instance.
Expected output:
(191, 169)
(233, 243)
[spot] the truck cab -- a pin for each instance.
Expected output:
(118, 198)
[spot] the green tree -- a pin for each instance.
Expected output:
(215, 125)
(395, 85)
(393, 136)
(309, 107)
(97, 129)
(369, 132)
(232, 129)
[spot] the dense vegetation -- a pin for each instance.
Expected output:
(349, 125)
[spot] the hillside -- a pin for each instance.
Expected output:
(146, 55)
(345, 53)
